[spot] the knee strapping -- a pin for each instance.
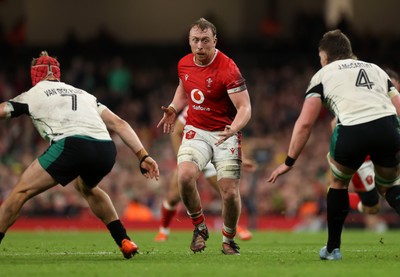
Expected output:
(228, 169)
(379, 181)
(337, 173)
(187, 154)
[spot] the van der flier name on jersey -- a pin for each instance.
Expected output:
(55, 91)
(354, 65)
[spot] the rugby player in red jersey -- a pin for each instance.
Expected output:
(219, 107)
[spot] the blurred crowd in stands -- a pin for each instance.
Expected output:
(136, 80)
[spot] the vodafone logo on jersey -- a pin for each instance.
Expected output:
(197, 96)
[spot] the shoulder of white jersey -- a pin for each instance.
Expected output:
(313, 88)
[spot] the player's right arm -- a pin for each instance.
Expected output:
(178, 103)
(300, 135)
(180, 99)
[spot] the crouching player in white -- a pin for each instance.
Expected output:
(363, 97)
(81, 150)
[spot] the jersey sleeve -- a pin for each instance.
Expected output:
(315, 87)
(15, 109)
(19, 105)
(235, 80)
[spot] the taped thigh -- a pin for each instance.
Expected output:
(194, 155)
(228, 169)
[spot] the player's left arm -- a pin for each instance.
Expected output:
(116, 124)
(241, 101)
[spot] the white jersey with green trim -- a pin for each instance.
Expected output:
(59, 110)
(355, 91)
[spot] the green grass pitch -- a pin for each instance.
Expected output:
(83, 253)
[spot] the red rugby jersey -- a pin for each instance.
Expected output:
(207, 88)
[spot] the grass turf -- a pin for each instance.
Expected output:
(81, 253)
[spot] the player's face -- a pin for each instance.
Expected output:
(202, 44)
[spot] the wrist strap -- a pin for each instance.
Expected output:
(142, 169)
(175, 110)
(142, 159)
(289, 161)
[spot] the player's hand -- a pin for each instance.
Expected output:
(282, 169)
(168, 119)
(225, 134)
(149, 168)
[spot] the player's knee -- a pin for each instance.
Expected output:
(370, 210)
(187, 175)
(231, 198)
(230, 192)
(20, 197)
(228, 169)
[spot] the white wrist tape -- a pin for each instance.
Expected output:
(174, 107)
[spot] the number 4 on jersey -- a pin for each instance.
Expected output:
(363, 80)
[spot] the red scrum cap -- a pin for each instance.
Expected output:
(44, 66)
